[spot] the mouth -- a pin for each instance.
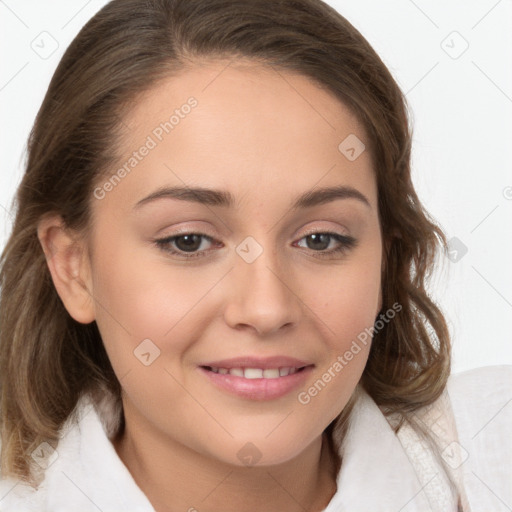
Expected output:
(257, 373)
(257, 380)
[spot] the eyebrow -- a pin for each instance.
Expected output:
(212, 197)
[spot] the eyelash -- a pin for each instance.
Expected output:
(345, 244)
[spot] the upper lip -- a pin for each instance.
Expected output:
(258, 362)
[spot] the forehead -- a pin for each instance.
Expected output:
(249, 125)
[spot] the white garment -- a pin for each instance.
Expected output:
(381, 471)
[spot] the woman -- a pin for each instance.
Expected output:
(213, 297)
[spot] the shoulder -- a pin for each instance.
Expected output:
(482, 393)
(481, 401)
(85, 473)
(17, 495)
(485, 380)
(53, 466)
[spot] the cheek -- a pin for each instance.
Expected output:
(348, 300)
(138, 299)
(356, 304)
(346, 310)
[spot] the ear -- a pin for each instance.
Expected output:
(69, 266)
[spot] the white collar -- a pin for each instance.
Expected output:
(376, 473)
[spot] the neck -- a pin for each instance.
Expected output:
(176, 478)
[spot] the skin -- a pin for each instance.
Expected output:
(266, 137)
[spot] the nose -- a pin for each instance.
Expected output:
(263, 297)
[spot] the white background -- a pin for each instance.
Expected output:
(461, 108)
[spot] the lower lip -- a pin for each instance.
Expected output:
(258, 389)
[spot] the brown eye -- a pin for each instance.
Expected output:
(320, 242)
(188, 245)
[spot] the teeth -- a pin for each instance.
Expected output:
(256, 373)
(253, 373)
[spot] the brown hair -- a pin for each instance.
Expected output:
(48, 360)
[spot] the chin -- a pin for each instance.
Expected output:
(261, 451)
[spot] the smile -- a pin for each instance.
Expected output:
(257, 384)
(256, 373)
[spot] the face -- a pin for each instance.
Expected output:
(229, 316)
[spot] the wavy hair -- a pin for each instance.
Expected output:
(47, 359)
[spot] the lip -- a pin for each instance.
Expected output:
(258, 389)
